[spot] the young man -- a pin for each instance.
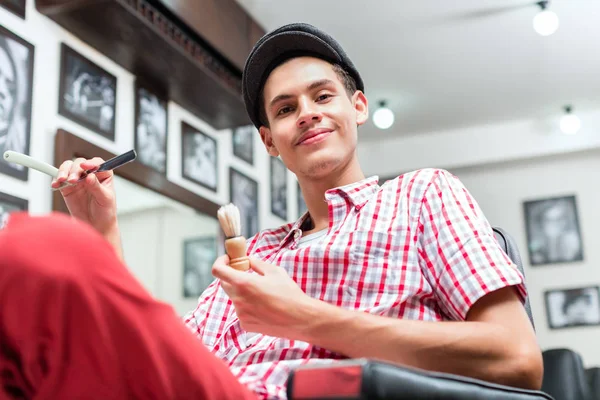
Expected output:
(408, 273)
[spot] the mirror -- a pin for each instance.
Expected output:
(170, 236)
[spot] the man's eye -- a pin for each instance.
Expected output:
(284, 110)
(323, 97)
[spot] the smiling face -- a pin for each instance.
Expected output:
(312, 118)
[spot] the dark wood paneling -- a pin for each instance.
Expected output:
(68, 146)
(156, 47)
(223, 23)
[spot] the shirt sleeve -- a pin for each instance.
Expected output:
(458, 251)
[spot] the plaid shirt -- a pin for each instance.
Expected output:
(417, 247)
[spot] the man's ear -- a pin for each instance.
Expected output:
(267, 139)
(361, 106)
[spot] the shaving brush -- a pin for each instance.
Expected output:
(235, 243)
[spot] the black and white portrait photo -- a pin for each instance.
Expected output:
(243, 143)
(151, 129)
(300, 201)
(573, 307)
(8, 205)
(278, 188)
(553, 233)
(88, 93)
(199, 157)
(199, 254)
(243, 192)
(17, 7)
(16, 77)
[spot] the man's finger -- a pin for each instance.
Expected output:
(93, 165)
(224, 272)
(260, 266)
(228, 288)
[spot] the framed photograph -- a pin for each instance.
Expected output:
(151, 128)
(278, 188)
(16, 87)
(17, 7)
(88, 93)
(300, 201)
(573, 307)
(199, 254)
(243, 192)
(199, 157)
(553, 233)
(8, 205)
(243, 143)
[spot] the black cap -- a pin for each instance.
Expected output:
(281, 44)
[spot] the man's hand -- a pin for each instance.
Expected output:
(268, 301)
(92, 200)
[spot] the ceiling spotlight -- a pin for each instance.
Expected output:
(570, 123)
(545, 22)
(383, 117)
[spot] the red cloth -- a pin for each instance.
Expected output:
(75, 324)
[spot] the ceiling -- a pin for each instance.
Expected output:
(448, 64)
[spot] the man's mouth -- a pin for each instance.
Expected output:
(314, 136)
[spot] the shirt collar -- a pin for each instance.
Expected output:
(358, 193)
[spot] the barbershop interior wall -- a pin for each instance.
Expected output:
(47, 36)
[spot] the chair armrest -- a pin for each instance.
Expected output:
(365, 379)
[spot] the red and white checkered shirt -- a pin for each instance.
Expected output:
(417, 247)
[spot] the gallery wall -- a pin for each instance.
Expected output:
(50, 111)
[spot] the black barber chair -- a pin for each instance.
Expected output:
(593, 380)
(365, 379)
(564, 375)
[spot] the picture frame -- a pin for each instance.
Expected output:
(151, 130)
(242, 140)
(16, 67)
(300, 203)
(243, 192)
(573, 307)
(199, 157)
(553, 230)
(199, 254)
(17, 7)
(278, 186)
(87, 93)
(10, 204)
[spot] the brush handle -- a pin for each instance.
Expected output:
(30, 162)
(236, 250)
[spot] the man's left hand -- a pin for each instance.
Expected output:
(267, 301)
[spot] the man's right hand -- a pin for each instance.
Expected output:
(93, 199)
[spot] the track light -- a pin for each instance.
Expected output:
(545, 22)
(570, 123)
(383, 117)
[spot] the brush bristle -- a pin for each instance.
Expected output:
(229, 218)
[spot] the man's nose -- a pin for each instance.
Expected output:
(309, 113)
